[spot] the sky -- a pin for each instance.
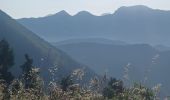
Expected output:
(38, 8)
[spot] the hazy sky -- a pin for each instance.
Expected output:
(37, 8)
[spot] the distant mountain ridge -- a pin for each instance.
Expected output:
(142, 60)
(89, 40)
(44, 54)
(135, 24)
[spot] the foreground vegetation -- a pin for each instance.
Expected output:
(30, 86)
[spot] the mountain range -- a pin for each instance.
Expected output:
(134, 24)
(136, 37)
(143, 61)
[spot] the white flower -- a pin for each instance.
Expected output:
(36, 70)
(157, 88)
(79, 73)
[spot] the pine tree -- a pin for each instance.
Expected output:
(31, 75)
(114, 88)
(66, 82)
(6, 61)
(26, 71)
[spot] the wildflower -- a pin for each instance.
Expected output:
(157, 88)
(35, 70)
(126, 71)
(79, 73)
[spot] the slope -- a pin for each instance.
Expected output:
(143, 60)
(45, 56)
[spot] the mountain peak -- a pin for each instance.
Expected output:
(4, 16)
(84, 13)
(136, 8)
(63, 13)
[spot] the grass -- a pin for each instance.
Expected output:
(74, 91)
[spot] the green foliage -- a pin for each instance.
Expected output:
(138, 91)
(30, 86)
(114, 88)
(31, 76)
(115, 91)
(26, 71)
(6, 61)
(35, 79)
(66, 82)
(69, 91)
(26, 67)
(16, 86)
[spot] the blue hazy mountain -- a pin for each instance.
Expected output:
(89, 40)
(135, 24)
(44, 54)
(162, 48)
(144, 60)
